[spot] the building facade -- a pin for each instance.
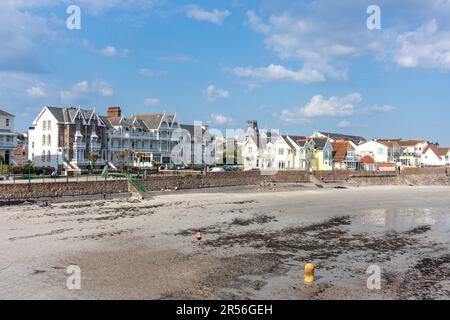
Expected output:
(70, 139)
(8, 138)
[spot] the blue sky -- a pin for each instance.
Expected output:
(296, 66)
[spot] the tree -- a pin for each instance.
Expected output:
(125, 154)
(93, 157)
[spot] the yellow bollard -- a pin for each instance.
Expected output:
(309, 273)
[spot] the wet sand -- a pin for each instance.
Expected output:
(255, 246)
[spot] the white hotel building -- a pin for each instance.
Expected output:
(66, 138)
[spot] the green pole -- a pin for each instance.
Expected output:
(29, 171)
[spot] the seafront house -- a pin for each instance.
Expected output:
(8, 138)
(322, 155)
(411, 152)
(435, 156)
(285, 153)
(305, 152)
(382, 151)
(69, 139)
(368, 164)
(344, 156)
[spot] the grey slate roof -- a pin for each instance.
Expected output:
(66, 115)
(338, 136)
(288, 142)
(319, 143)
(6, 113)
(152, 122)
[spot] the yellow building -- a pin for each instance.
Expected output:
(322, 155)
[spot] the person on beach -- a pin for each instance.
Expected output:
(198, 236)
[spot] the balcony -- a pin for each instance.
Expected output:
(95, 146)
(132, 135)
(79, 145)
(8, 145)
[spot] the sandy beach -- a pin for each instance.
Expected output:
(255, 245)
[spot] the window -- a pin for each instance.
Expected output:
(250, 150)
(289, 152)
(43, 156)
(44, 125)
(380, 151)
(281, 152)
(32, 145)
(49, 125)
(43, 139)
(49, 140)
(7, 122)
(49, 157)
(281, 165)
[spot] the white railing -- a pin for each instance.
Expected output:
(8, 144)
(95, 145)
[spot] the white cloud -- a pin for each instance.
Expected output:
(181, 57)
(220, 119)
(344, 124)
(20, 36)
(84, 91)
(377, 108)
(279, 72)
(427, 47)
(37, 91)
(335, 106)
(215, 16)
(150, 73)
(110, 51)
(103, 88)
(150, 102)
(213, 93)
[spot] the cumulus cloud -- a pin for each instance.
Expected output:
(335, 106)
(215, 16)
(377, 108)
(37, 91)
(279, 72)
(20, 36)
(426, 47)
(344, 124)
(181, 57)
(150, 102)
(151, 73)
(84, 91)
(213, 93)
(110, 51)
(220, 119)
(312, 35)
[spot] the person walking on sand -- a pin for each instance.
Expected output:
(198, 236)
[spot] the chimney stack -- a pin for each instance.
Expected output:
(114, 112)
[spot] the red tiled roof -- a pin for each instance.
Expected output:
(437, 151)
(410, 143)
(340, 150)
(443, 151)
(389, 144)
(367, 160)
